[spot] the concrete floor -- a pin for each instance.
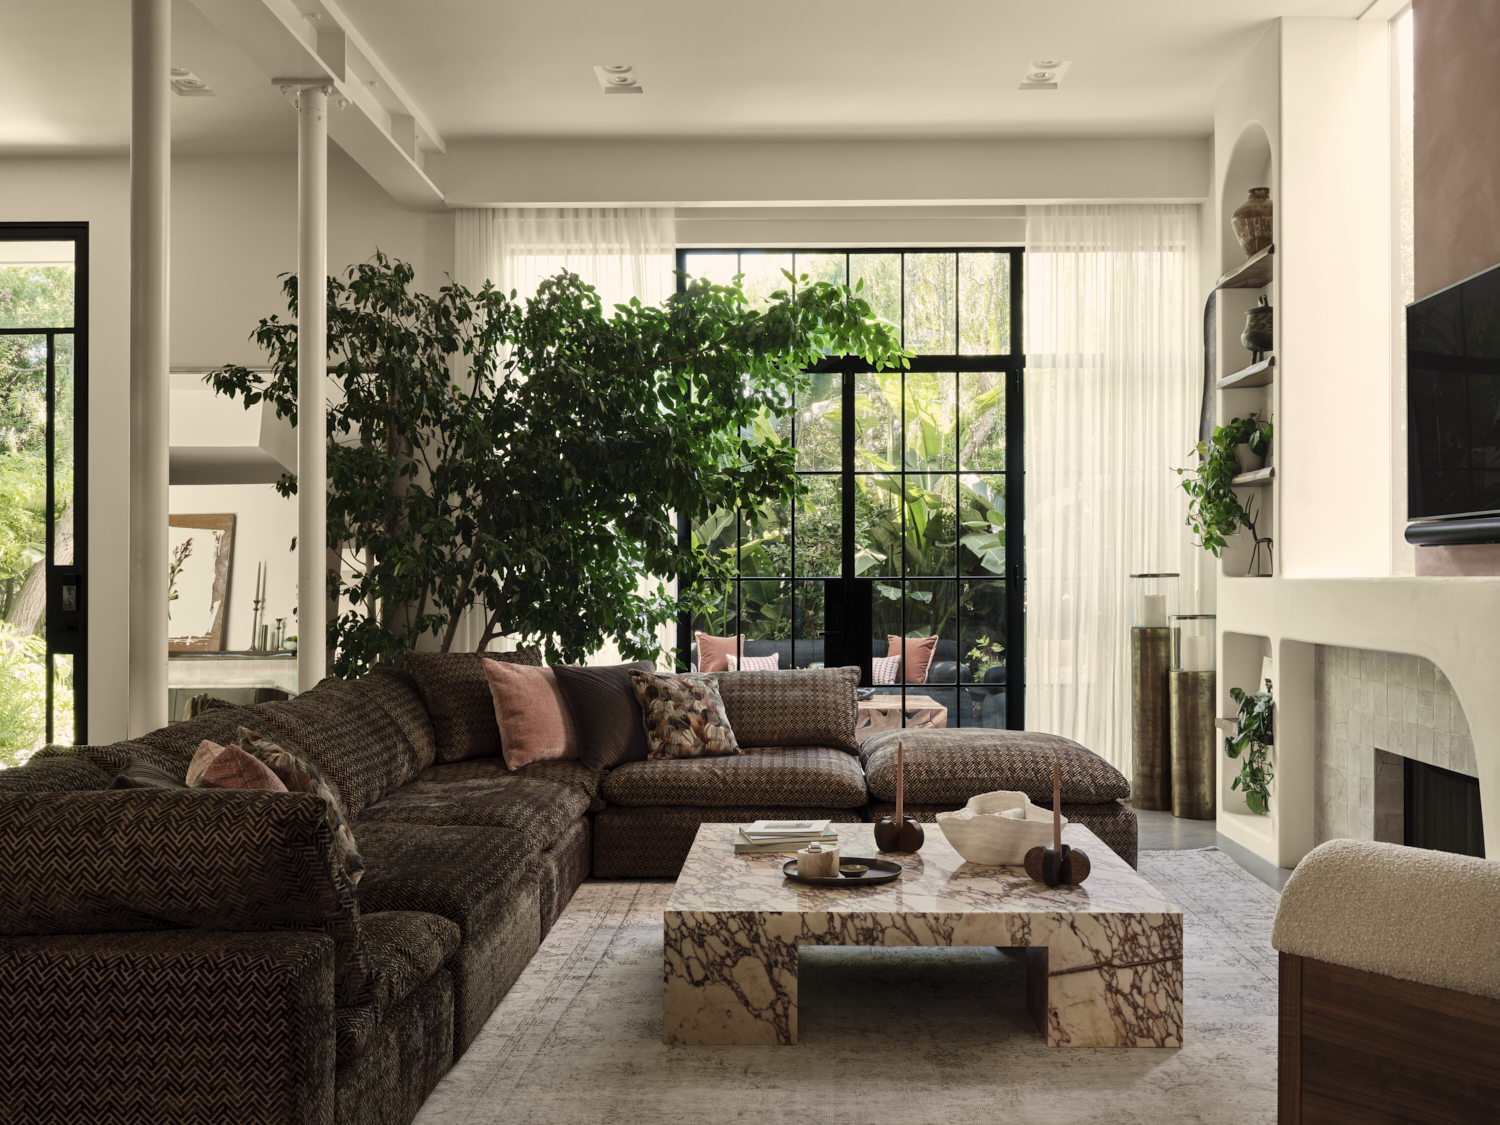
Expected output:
(1161, 831)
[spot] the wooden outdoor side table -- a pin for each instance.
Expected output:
(884, 712)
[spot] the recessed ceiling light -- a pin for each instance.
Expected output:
(1045, 64)
(1044, 74)
(618, 78)
(1040, 76)
(186, 84)
(617, 68)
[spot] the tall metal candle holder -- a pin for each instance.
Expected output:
(1193, 689)
(1152, 598)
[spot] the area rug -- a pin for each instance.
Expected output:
(899, 1036)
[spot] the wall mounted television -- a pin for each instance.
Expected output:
(1453, 413)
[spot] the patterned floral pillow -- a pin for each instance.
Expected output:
(301, 776)
(885, 669)
(770, 663)
(684, 716)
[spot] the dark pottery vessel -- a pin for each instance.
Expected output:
(898, 835)
(1067, 866)
(1252, 222)
(1258, 337)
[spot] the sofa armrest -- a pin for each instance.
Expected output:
(182, 1025)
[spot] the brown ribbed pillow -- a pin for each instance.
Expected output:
(458, 699)
(605, 713)
(798, 707)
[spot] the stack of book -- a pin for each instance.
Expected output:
(783, 836)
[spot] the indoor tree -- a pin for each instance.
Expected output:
(526, 459)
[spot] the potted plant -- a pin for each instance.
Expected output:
(1214, 511)
(1250, 745)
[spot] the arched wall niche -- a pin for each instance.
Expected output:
(1250, 165)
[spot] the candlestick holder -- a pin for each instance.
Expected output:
(1193, 733)
(1061, 863)
(1151, 602)
(899, 833)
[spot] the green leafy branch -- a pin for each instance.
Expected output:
(1250, 745)
(1214, 511)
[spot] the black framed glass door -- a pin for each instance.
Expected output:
(43, 473)
(911, 526)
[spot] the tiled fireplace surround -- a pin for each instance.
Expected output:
(1372, 710)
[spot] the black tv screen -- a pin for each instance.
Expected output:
(1453, 400)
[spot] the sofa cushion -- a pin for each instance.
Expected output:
(458, 700)
(589, 782)
(950, 766)
(181, 740)
(140, 774)
(684, 716)
(360, 733)
(118, 755)
(53, 775)
(915, 653)
(533, 717)
(535, 806)
(403, 948)
(298, 775)
(156, 859)
(605, 713)
(798, 707)
(713, 650)
(772, 777)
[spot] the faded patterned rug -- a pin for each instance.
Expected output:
(899, 1036)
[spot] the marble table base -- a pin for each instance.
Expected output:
(1097, 975)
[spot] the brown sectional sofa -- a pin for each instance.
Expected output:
(199, 955)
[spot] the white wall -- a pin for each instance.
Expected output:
(822, 173)
(96, 191)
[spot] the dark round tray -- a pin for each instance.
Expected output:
(881, 871)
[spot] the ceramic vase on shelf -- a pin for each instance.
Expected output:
(1150, 603)
(1252, 222)
(1249, 460)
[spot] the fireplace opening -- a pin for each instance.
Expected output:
(1442, 810)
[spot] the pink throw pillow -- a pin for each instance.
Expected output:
(915, 653)
(228, 767)
(713, 650)
(535, 724)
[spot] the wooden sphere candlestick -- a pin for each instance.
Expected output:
(1059, 864)
(899, 833)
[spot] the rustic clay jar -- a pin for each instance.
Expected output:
(1252, 222)
(1257, 336)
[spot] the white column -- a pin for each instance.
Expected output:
(150, 188)
(312, 374)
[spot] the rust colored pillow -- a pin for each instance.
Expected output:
(915, 653)
(712, 651)
(535, 725)
(229, 767)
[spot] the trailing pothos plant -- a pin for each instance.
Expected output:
(1250, 745)
(527, 459)
(1214, 512)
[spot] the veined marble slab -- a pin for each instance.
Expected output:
(1104, 960)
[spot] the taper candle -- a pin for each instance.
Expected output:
(1056, 806)
(900, 781)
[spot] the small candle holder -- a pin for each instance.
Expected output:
(899, 833)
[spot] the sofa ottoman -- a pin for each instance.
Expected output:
(944, 768)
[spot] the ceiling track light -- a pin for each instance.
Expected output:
(1044, 74)
(186, 84)
(618, 78)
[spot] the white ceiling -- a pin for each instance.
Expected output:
(776, 68)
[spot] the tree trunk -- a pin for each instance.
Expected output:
(27, 615)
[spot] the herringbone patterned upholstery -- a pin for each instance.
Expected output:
(587, 781)
(54, 775)
(403, 948)
(118, 755)
(1111, 821)
(762, 778)
(402, 1061)
(945, 766)
(480, 878)
(218, 724)
(458, 700)
(561, 868)
(541, 809)
(179, 1026)
(645, 843)
(798, 707)
(154, 859)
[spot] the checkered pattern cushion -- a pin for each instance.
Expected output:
(798, 707)
(885, 669)
(458, 700)
(773, 777)
(770, 663)
(945, 766)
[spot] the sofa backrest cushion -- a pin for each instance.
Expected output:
(53, 775)
(157, 859)
(458, 700)
(798, 707)
(605, 713)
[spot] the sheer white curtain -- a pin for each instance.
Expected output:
(1112, 400)
(623, 252)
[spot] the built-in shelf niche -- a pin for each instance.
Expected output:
(1253, 273)
(1261, 374)
(1257, 478)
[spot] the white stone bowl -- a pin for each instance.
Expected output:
(981, 835)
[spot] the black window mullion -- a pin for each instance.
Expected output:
(1015, 507)
(49, 525)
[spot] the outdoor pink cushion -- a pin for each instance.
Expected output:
(713, 650)
(916, 654)
(535, 724)
(229, 767)
(885, 669)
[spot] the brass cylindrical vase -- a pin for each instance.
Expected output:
(1194, 734)
(1150, 718)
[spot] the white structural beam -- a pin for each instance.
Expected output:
(312, 368)
(294, 46)
(150, 196)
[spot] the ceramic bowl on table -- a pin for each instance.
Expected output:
(980, 834)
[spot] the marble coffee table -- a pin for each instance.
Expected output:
(1103, 961)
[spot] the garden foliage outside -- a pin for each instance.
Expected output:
(526, 459)
(30, 297)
